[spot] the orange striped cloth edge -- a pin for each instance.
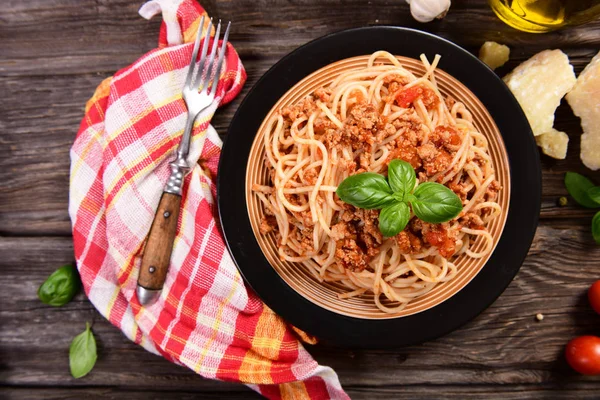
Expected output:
(205, 319)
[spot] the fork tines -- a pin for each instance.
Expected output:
(202, 78)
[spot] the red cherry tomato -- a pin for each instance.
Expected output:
(583, 355)
(594, 296)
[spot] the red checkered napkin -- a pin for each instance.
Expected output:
(205, 319)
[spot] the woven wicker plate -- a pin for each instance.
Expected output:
(325, 294)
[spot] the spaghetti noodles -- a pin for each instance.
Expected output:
(360, 122)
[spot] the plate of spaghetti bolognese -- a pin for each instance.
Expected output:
(368, 192)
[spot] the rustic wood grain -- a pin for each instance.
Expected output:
(52, 393)
(515, 392)
(53, 53)
(503, 346)
(66, 71)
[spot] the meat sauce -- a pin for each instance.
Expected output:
(357, 234)
(438, 236)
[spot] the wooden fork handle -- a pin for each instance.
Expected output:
(157, 253)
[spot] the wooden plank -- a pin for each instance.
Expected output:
(509, 392)
(77, 393)
(504, 345)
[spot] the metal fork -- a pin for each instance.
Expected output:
(157, 253)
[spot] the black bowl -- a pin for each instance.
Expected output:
(490, 282)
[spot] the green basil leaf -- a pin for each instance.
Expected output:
(435, 203)
(366, 190)
(393, 219)
(578, 185)
(402, 178)
(60, 287)
(594, 194)
(82, 353)
(596, 227)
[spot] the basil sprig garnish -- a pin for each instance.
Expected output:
(586, 194)
(435, 203)
(430, 201)
(393, 218)
(367, 190)
(402, 178)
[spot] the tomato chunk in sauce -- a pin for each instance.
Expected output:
(439, 238)
(406, 97)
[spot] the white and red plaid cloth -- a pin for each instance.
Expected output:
(205, 319)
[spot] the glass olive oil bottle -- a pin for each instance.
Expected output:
(545, 15)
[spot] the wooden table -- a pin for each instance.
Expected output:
(52, 56)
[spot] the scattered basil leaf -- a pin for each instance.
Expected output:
(366, 190)
(578, 185)
(594, 194)
(435, 203)
(60, 287)
(82, 353)
(596, 227)
(402, 178)
(393, 219)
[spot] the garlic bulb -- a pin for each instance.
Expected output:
(427, 10)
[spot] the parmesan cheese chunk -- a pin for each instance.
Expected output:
(494, 54)
(553, 143)
(539, 84)
(584, 99)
